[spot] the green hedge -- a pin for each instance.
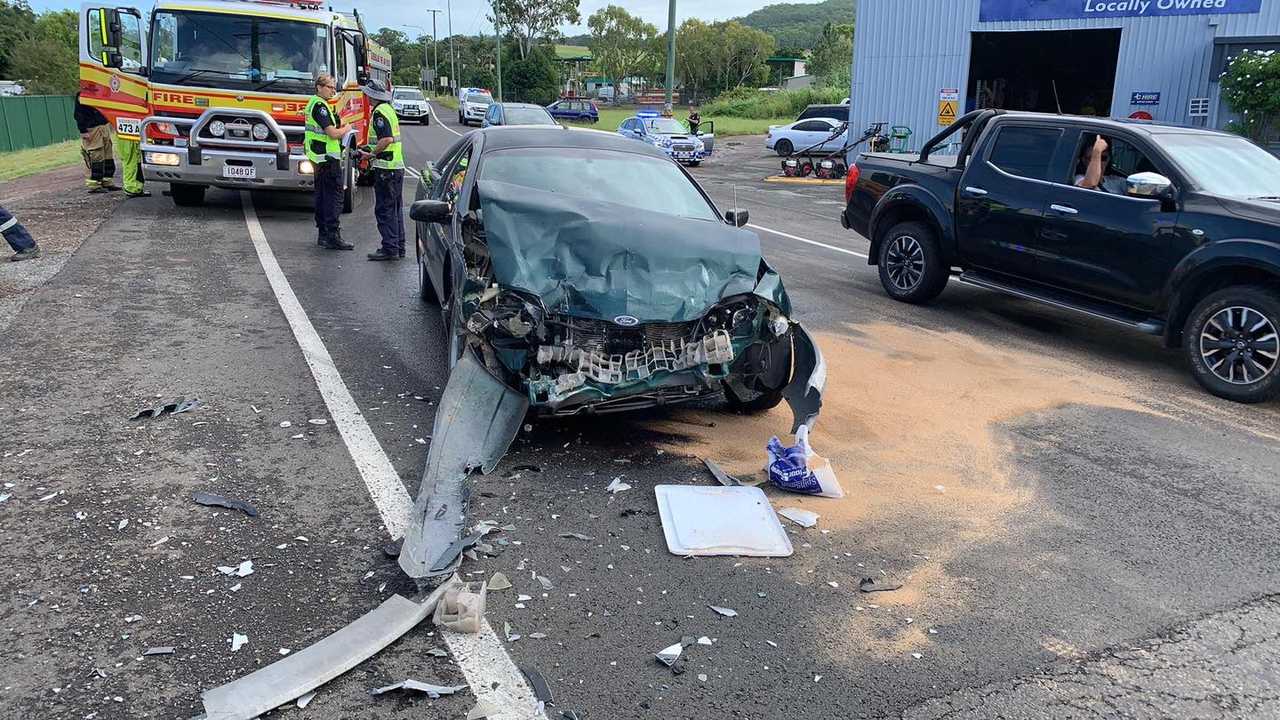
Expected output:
(750, 103)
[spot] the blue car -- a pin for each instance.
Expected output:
(575, 110)
(668, 135)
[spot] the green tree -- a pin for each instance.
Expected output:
(1251, 87)
(712, 58)
(61, 26)
(799, 25)
(833, 56)
(17, 22)
(45, 67)
(534, 79)
(620, 42)
(532, 22)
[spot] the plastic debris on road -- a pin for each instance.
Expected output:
(209, 499)
(869, 585)
(727, 612)
(244, 569)
(669, 655)
(159, 650)
(720, 475)
(803, 518)
(799, 469)
(538, 683)
(498, 581)
(461, 608)
(432, 691)
(238, 641)
(483, 710)
(709, 521)
(617, 486)
(173, 407)
(305, 700)
(576, 536)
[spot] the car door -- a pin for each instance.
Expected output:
(440, 242)
(1109, 246)
(836, 142)
(1002, 195)
(113, 57)
(810, 133)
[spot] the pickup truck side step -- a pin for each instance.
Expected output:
(1150, 326)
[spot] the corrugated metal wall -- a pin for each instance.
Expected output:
(28, 121)
(906, 51)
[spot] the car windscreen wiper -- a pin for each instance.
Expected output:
(1271, 198)
(193, 74)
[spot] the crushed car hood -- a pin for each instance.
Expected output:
(597, 259)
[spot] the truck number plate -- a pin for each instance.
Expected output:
(128, 126)
(239, 172)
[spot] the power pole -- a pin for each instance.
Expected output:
(671, 53)
(435, 52)
(453, 58)
(497, 29)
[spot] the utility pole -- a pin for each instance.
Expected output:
(671, 54)
(497, 30)
(453, 58)
(435, 52)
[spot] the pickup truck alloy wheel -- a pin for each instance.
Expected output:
(1232, 341)
(904, 261)
(1239, 344)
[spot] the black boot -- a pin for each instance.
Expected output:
(335, 242)
(382, 254)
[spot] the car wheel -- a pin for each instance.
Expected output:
(784, 148)
(911, 265)
(751, 402)
(187, 195)
(1232, 342)
(695, 163)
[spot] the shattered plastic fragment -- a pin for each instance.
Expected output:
(482, 710)
(432, 691)
(617, 486)
(868, 585)
(438, 652)
(122, 524)
(159, 650)
(237, 641)
(576, 536)
(179, 405)
(499, 582)
(704, 640)
(461, 608)
(211, 500)
(720, 475)
(541, 689)
(803, 518)
(670, 654)
(545, 582)
(245, 569)
(506, 630)
(727, 612)
(318, 421)
(305, 700)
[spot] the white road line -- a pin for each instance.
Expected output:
(431, 106)
(385, 486)
(797, 238)
(489, 670)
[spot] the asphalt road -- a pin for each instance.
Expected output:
(1079, 530)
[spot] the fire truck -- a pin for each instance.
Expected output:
(215, 89)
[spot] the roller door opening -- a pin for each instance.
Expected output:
(1022, 71)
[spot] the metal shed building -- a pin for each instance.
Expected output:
(917, 61)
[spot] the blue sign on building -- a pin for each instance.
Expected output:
(997, 10)
(1145, 98)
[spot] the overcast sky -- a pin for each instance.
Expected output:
(469, 15)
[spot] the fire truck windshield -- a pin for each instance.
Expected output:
(237, 52)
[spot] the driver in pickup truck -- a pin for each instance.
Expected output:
(1094, 171)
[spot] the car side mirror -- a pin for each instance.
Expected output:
(737, 218)
(431, 211)
(1149, 185)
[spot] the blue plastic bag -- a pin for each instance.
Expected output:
(798, 469)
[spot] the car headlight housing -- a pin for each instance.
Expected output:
(261, 131)
(217, 128)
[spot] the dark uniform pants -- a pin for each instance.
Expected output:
(328, 197)
(17, 236)
(388, 208)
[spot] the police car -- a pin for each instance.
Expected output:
(410, 104)
(666, 134)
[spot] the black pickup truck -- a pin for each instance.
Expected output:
(1181, 239)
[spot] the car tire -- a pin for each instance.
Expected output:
(757, 402)
(784, 148)
(187, 195)
(695, 163)
(911, 266)
(1242, 322)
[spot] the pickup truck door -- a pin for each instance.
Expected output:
(1002, 196)
(1106, 245)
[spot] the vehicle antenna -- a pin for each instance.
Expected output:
(1056, 101)
(735, 197)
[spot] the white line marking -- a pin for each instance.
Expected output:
(385, 486)
(431, 106)
(797, 238)
(481, 657)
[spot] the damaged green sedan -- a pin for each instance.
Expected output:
(580, 273)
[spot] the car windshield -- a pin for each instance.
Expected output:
(645, 183)
(1228, 166)
(665, 126)
(408, 95)
(479, 98)
(526, 116)
(237, 51)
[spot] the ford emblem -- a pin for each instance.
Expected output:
(626, 321)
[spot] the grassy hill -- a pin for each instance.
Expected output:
(798, 24)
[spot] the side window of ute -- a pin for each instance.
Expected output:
(1025, 151)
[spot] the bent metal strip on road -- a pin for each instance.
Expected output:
(489, 670)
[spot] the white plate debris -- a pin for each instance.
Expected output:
(803, 518)
(705, 521)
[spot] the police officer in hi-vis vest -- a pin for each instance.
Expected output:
(383, 146)
(323, 146)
